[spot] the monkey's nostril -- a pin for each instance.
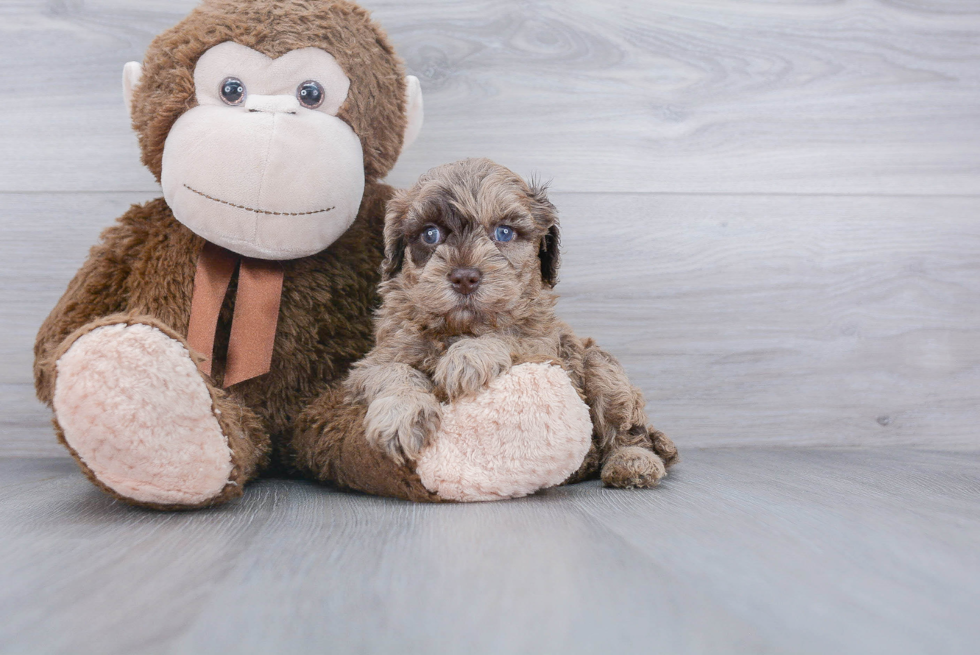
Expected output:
(465, 280)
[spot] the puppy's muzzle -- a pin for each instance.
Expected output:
(465, 280)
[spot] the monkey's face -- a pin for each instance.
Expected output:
(262, 165)
(476, 248)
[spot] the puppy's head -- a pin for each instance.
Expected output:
(470, 248)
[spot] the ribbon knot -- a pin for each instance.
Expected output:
(253, 324)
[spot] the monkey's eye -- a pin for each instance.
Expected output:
(232, 91)
(504, 233)
(310, 94)
(431, 235)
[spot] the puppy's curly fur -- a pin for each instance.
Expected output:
(441, 339)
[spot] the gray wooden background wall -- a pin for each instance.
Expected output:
(771, 210)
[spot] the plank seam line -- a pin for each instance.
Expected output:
(557, 190)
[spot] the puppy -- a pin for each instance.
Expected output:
(471, 257)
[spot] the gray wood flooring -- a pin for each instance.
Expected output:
(739, 551)
(771, 215)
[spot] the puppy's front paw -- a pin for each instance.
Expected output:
(402, 425)
(470, 365)
(632, 467)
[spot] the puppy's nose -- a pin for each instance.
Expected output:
(465, 280)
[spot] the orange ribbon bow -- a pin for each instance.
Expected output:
(253, 325)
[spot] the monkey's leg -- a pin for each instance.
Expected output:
(329, 445)
(144, 423)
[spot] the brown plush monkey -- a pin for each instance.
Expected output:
(205, 322)
(204, 340)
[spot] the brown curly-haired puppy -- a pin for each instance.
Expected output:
(471, 257)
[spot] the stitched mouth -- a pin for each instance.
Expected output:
(257, 211)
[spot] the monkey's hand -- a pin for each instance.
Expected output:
(469, 365)
(402, 425)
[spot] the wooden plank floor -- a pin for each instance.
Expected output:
(771, 214)
(740, 550)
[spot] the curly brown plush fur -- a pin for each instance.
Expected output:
(441, 338)
(143, 269)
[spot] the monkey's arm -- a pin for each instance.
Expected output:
(329, 445)
(99, 289)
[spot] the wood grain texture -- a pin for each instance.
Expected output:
(739, 551)
(824, 320)
(744, 319)
(770, 216)
(712, 96)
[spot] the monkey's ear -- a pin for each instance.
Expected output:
(132, 72)
(413, 110)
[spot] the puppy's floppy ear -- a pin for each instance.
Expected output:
(546, 215)
(394, 238)
(548, 254)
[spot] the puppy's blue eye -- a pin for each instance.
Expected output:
(504, 234)
(431, 235)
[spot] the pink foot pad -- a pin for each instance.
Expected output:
(134, 408)
(527, 431)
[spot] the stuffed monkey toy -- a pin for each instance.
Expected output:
(203, 341)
